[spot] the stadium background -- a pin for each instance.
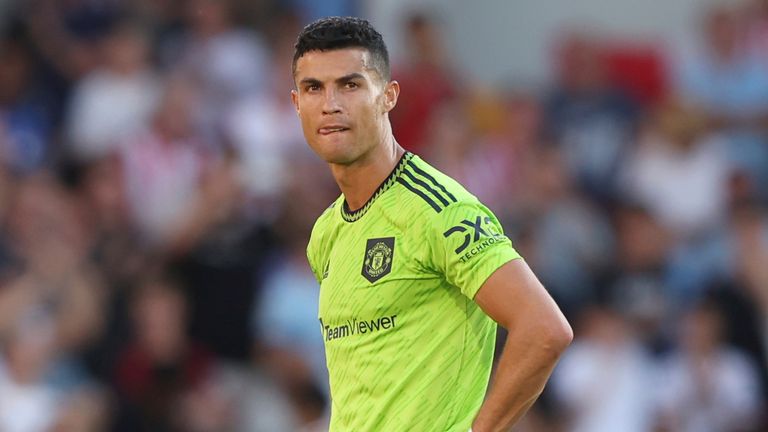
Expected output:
(156, 196)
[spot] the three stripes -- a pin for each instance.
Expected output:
(425, 191)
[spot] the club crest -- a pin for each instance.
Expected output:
(377, 262)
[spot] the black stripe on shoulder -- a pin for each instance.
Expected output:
(419, 193)
(426, 175)
(423, 184)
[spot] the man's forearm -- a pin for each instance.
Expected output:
(522, 372)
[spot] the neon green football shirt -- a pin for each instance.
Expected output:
(406, 346)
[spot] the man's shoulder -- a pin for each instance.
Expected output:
(325, 219)
(443, 181)
(427, 192)
(327, 214)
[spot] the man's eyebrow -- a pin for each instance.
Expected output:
(310, 81)
(350, 77)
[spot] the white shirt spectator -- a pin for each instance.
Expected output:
(106, 107)
(606, 388)
(684, 189)
(723, 396)
(162, 181)
(29, 407)
(266, 134)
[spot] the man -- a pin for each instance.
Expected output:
(413, 269)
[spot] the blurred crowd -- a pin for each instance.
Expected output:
(156, 196)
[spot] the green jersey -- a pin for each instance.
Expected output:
(407, 348)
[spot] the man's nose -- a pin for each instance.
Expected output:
(331, 103)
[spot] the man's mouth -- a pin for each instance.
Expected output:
(332, 129)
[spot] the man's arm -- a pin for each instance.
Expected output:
(537, 334)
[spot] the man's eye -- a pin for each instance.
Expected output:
(351, 85)
(312, 87)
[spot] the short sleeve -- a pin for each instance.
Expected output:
(467, 244)
(312, 257)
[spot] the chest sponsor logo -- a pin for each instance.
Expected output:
(471, 232)
(356, 326)
(377, 261)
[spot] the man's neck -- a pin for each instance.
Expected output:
(359, 181)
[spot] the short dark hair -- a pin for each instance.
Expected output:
(332, 33)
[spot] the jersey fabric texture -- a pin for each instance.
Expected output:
(406, 346)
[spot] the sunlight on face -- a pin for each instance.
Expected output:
(342, 103)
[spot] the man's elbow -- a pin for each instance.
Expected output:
(556, 336)
(563, 335)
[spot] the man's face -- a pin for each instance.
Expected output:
(342, 103)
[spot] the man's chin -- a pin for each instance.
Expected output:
(337, 155)
(341, 159)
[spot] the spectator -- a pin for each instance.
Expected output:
(637, 283)
(679, 172)
(606, 380)
(722, 76)
(589, 120)
(27, 400)
(160, 367)
(708, 385)
(750, 251)
(228, 62)
(38, 390)
(25, 120)
(164, 164)
(487, 145)
(571, 240)
(56, 278)
(292, 347)
(263, 128)
(730, 84)
(426, 62)
(51, 311)
(757, 17)
(116, 99)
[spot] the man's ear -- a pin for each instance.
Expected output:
(295, 100)
(391, 93)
